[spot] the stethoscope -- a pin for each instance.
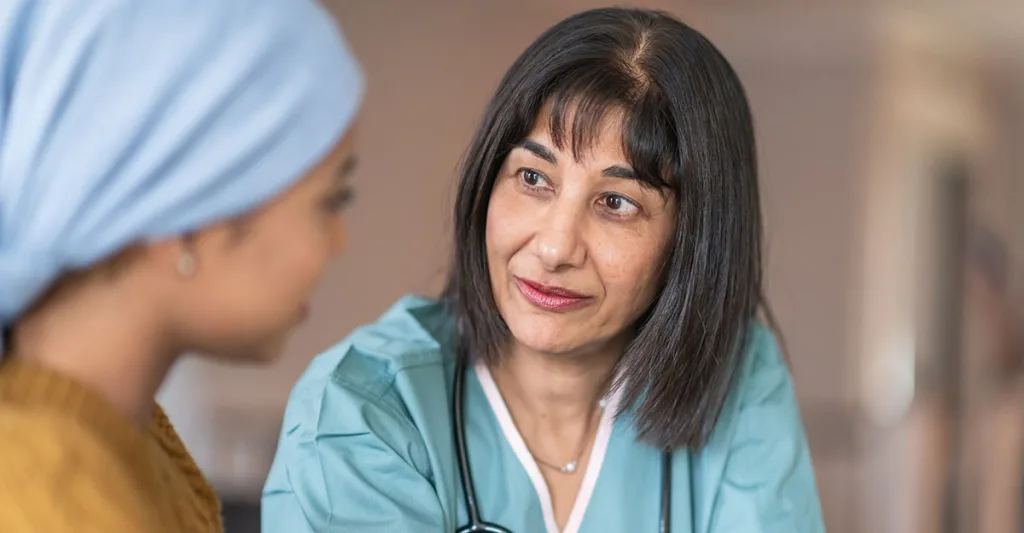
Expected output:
(476, 525)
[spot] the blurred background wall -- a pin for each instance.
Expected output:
(891, 140)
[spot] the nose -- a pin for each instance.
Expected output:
(558, 242)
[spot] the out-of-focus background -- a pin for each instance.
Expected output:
(892, 159)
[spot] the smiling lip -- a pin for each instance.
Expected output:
(550, 298)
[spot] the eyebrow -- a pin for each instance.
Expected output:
(541, 151)
(538, 150)
(617, 171)
(347, 167)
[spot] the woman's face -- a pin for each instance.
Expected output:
(574, 248)
(254, 277)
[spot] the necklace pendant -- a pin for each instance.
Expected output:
(569, 467)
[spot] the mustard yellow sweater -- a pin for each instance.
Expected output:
(70, 463)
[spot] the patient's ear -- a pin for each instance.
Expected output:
(163, 254)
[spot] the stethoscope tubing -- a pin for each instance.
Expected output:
(476, 525)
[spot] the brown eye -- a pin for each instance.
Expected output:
(619, 205)
(532, 178)
(339, 200)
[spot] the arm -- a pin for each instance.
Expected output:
(768, 483)
(346, 463)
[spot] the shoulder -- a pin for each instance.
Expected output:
(61, 476)
(354, 425)
(415, 331)
(758, 456)
(351, 386)
(56, 445)
(762, 385)
(762, 362)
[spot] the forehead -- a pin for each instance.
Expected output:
(584, 136)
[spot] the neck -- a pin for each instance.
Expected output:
(113, 351)
(551, 390)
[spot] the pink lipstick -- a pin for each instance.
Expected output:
(550, 298)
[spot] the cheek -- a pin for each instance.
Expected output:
(295, 261)
(284, 264)
(629, 272)
(507, 226)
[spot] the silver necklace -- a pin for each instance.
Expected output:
(570, 467)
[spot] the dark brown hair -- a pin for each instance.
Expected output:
(688, 131)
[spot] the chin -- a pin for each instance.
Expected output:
(541, 335)
(271, 351)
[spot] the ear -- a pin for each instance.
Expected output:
(165, 256)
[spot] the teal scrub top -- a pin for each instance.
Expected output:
(367, 445)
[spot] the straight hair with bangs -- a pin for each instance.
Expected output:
(688, 132)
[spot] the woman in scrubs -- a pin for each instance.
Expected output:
(596, 363)
(171, 180)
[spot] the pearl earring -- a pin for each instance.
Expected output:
(186, 265)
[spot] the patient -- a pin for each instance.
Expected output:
(172, 176)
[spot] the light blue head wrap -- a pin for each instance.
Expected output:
(126, 120)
